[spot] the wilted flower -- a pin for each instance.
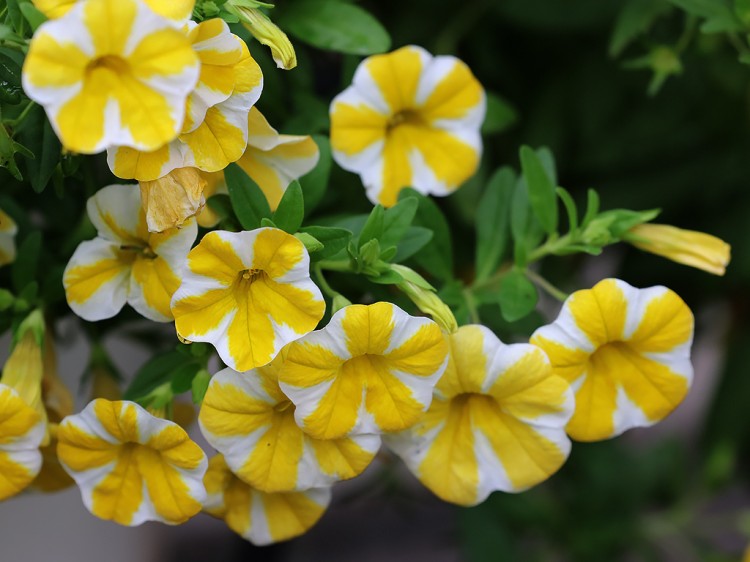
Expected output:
(169, 201)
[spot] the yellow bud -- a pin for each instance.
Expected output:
(269, 34)
(428, 302)
(688, 247)
(171, 200)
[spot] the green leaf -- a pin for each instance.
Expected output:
(373, 228)
(199, 386)
(37, 134)
(291, 210)
(413, 241)
(315, 183)
(154, 373)
(182, 377)
(397, 220)
(32, 15)
(493, 221)
(570, 207)
(248, 201)
(500, 117)
(541, 188)
(635, 19)
(742, 9)
(592, 207)
(388, 277)
(719, 14)
(27, 261)
(437, 256)
(336, 26)
(517, 297)
(333, 239)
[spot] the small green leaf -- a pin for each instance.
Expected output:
(500, 117)
(199, 386)
(742, 9)
(636, 18)
(570, 207)
(416, 238)
(592, 207)
(37, 134)
(333, 239)
(248, 201)
(720, 15)
(315, 183)
(397, 220)
(493, 221)
(291, 210)
(182, 377)
(437, 256)
(336, 26)
(388, 277)
(373, 228)
(27, 261)
(541, 189)
(32, 15)
(154, 373)
(517, 297)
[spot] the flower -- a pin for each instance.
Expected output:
(111, 72)
(266, 33)
(409, 119)
(132, 467)
(371, 370)
(247, 418)
(8, 230)
(625, 352)
(215, 131)
(169, 201)
(259, 517)
(696, 249)
(497, 421)
(178, 10)
(247, 293)
(125, 263)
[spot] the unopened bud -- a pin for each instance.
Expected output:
(265, 31)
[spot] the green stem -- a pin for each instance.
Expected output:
(550, 247)
(546, 286)
(332, 265)
(327, 289)
(472, 306)
(18, 120)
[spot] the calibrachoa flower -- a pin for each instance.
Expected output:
(689, 247)
(257, 516)
(111, 72)
(8, 230)
(215, 131)
(178, 10)
(132, 467)
(247, 418)
(249, 294)
(625, 352)
(126, 263)
(497, 421)
(409, 120)
(371, 370)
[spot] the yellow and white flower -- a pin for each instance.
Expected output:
(130, 466)
(216, 126)
(249, 294)
(22, 430)
(247, 418)
(371, 370)
(8, 231)
(259, 517)
(497, 421)
(111, 72)
(177, 10)
(126, 263)
(409, 120)
(625, 352)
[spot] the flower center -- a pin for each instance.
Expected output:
(283, 406)
(141, 251)
(250, 274)
(608, 358)
(470, 399)
(112, 63)
(404, 117)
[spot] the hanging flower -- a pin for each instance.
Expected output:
(178, 10)
(371, 370)
(111, 72)
(8, 230)
(259, 517)
(169, 201)
(132, 467)
(409, 120)
(696, 249)
(249, 294)
(625, 352)
(497, 421)
(265, 32)
(126, 263)
(215, 131)
(247, 418)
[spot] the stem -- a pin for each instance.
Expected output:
(550, 247)
(327, 289)
(472, 306)
(546, 286)
(332, 265)
(18, 120)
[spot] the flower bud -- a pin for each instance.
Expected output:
(428, 302)
(265, 31)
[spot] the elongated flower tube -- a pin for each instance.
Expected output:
(215, 131)
(497, 421)
(688, 247)
(259, 517)
(247, 293)
(111, 72)
(126, 263)
(370, 370)
(247, 418)
(8, 230)
(130, 466)
(625, 352)
(409, 120)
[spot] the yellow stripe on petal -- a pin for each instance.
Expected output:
(157, 283)
(396, 76)
(54, 8)
(353, 129)
(454, 96)
(21, 432)
(177, 10)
